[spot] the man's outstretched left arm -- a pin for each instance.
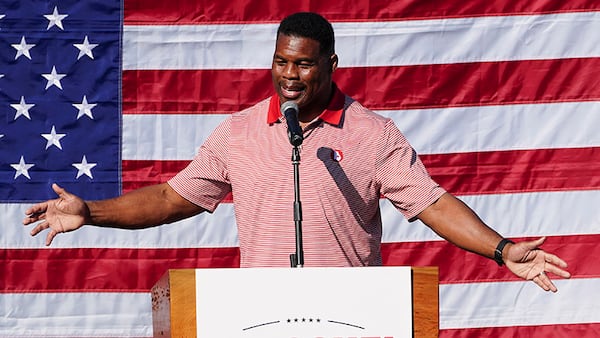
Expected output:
(453, 220)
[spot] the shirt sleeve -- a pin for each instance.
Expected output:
(402, 176)
(205, 181)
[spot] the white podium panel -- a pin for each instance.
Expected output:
(304, 302)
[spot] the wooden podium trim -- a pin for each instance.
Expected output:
(174, 303)
(426, 319)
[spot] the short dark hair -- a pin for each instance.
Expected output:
(309, 25)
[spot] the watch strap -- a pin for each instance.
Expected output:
(498, 251)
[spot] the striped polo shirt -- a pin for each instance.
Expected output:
(350, 157)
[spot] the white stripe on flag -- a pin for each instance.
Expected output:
(504, 127)
(166, 137)
(518, 303)
(73, 314)
(446, 130)
(205, 230)
(388, 43)
(513, 215)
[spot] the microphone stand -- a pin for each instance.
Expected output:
(297, 259)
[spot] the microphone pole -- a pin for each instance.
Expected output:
(297, 259)
(290, 111)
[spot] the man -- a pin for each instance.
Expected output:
(350, 157)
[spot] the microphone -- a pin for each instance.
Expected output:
(290, 110)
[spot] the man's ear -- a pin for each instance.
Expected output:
(333, 60)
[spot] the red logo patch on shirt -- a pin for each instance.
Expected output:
(337, 155)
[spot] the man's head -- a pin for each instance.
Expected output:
(303, 63)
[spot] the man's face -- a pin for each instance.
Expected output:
(302, 74)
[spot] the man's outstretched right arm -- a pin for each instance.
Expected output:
(142, 208)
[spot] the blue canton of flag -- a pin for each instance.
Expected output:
(59, 98)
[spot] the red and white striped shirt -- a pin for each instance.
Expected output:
(350, 157)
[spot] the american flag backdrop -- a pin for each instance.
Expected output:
(500, 98)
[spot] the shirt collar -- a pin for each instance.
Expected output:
(332, 114)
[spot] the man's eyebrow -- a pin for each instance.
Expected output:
(311, 60)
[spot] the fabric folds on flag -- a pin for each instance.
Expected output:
(501, 100)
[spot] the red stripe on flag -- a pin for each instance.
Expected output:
(193, 91)
(462, 174)
(459, 266)
(591, 330)
(405, 87)
(516, 170)
(151, 12)
(137, 174)
(104, 269)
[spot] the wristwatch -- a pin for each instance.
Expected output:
(498, 251)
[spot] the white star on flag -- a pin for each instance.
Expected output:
(22, 168)
(23, 48)
(55, 19)
(85, 48)
(85, 108)
(53, 78)
(53, 138)
(22, 108)
(84, 168)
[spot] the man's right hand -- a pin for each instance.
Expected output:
(66, 213)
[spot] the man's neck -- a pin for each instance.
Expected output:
(307, 116)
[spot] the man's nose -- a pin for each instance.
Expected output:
(291, 70)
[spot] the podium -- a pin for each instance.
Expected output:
(174, 303)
